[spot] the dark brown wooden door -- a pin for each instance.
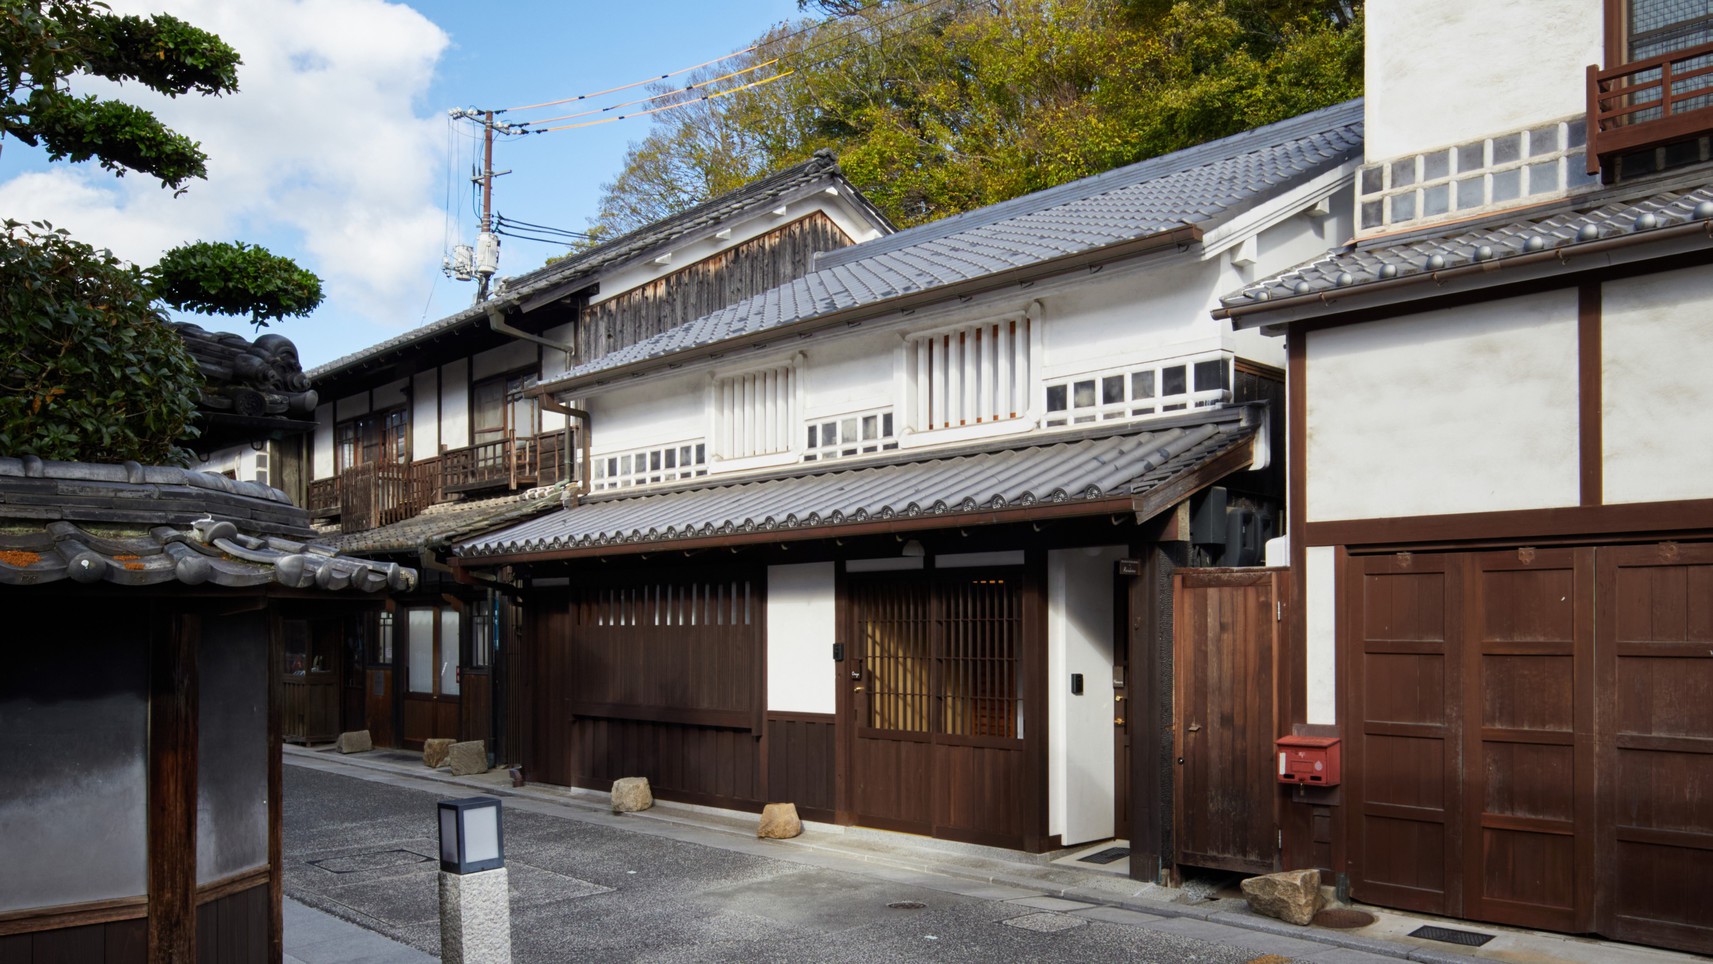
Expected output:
(1655, 666)
(1403, 743)
(432, 681)
(1528, 718)
(1226, 628)
(940, 694)
(1531, 737)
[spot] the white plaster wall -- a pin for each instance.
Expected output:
(1321, 616)
(1157, 313)
(351, 406)
(1462, 410)
(800, 633)
(1657, 351)
(390, 395)
(508, 357)
(851, 374)
(553, 365)
(1080, 781)
(1440, 74)
(455, 404)
(321, 459)
(425, 414)
(656, 412)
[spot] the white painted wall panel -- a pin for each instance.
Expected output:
(508, 357)
(455, 404)
(1441, 74)
(1657, 351)
(425, 414)
(321, 459)
(800, 630)
(1463, 410)
(1321, 616)
(351, 406)
(553, 365)
(654, 414)
(849, 374)
(1080, 782)
(390, 395)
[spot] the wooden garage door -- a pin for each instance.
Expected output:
(1656, 744)
(1532, 747)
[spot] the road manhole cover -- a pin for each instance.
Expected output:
(374, 860)
(1045, 923)
(907, 905)
(1340, 918)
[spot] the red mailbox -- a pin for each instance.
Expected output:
(1312, 760)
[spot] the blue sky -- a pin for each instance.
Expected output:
(337, 152)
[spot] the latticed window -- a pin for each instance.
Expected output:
(1655, 27)
(754, 413)
(941, 656)
(969, 376)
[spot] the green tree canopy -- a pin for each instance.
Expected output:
(234, 278)
(45, 44)
(92, 372)
(939, 106)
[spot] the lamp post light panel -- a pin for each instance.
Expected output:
(471, 840)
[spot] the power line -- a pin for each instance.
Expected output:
(513, 222)
(677, 90)
(656, 110)
(614, 90)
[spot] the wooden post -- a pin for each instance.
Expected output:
(276, 789)
(172, 787)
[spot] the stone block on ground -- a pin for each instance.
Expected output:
(355, 741)
(434, 751)
(1293, 896)
(779, 822)
(468, 758)
(631, 794)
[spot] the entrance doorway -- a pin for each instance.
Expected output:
(944, 695)
(432, 680)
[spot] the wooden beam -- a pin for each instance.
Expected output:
(172, 786)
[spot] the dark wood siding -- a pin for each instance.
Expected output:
(727, 278)
(233, 929)
(115, 942)
(800, 768)
(656, 676)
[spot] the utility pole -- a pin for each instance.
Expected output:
(484, 262)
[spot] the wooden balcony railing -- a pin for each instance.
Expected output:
(1649, 103)
(377, 494)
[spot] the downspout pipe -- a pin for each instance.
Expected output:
(552, 404)
(497, 321)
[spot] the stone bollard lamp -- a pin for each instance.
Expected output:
(475, 899)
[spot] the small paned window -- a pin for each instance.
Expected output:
(1158, 387)
(857, 434)
(670, 463)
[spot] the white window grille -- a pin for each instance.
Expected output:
(683, 460)
(857, 434)
(755, 412)
(1140, 390)
(969, 376)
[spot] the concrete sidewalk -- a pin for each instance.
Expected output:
(1053, 881)
(313, 937)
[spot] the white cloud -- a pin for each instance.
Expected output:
(322, 155)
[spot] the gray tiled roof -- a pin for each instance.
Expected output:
(666, 231)
(1201, 186)
(440, 525)
(949, 488)
(1594, 218)
(132, 525)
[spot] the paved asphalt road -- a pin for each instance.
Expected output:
(361, 850)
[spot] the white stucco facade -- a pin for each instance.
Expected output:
(800, 637)
(1656, 354)
(1462, 410)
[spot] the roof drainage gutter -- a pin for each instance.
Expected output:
(1561, 254)
(496, 321)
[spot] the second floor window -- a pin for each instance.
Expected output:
(501, 411)
(1655, 27)
(366, 439)
(970, 376)
(753, 413)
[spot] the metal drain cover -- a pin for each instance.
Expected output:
(1340, 918)
(374, 860)
(1107, 856)
(1451, 936)
(906, 905)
